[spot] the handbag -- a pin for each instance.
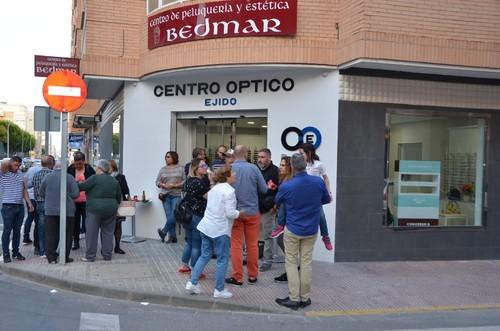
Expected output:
(162, 196)
(126, 208)
(182, 212)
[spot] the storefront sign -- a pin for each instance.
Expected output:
(75, 141)
(45, 65)
(222, 19)
(231, 87)
(306, 135)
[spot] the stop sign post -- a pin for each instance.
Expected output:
(65, 92)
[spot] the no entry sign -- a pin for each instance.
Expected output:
(64, 91)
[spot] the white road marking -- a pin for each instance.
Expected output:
(477, 328)
(99, 322)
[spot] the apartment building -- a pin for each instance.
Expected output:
(401, 99)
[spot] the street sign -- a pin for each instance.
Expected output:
(64, 91)
(46, 119)
(45, 65)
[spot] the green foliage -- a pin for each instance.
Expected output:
(116, 143)
(20, 140)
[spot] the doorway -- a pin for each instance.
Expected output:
(210, 132)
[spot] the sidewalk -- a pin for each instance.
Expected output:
(148, 272)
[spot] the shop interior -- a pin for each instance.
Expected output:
(210, 131)
(435, 169)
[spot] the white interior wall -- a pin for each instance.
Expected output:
(312, 102)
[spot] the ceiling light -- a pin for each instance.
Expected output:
(251, 122)
(264, 126)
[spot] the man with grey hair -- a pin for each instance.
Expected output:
(103, 197)
(50, 191)
(303, 197)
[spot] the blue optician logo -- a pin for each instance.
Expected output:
(306, 135)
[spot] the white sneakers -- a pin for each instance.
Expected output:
(224, 294)
(194, 289)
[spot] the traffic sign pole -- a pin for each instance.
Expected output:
(63, 191)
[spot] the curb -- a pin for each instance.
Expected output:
(137, 296)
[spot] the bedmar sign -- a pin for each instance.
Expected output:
(223, 19)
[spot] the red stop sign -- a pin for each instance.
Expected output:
(64, 91)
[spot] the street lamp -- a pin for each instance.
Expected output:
(8, 138)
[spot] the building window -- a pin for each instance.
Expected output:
(435, 168)
(158, 4)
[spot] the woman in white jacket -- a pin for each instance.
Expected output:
(215, 228)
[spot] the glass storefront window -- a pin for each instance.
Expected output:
(435, 168)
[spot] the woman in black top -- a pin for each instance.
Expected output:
(196, 189)
(125, 196)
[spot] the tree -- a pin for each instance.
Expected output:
(116, 143)
(20, 140)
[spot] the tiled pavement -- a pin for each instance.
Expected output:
(148, 272)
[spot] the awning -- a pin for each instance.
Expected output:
(103, 87)
(384, 67)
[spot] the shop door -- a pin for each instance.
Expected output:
(212, 132)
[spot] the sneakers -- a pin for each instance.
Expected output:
(233, 281)
(162, 234)
(281, 278)
(27, 241)
(84, 259)
(184, 269)
(224, 294)
(193, 289)
(277, 231)
(18, 257)
(6, 259)
(327, 242)
(171, 240)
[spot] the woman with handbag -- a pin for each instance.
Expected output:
(170, 180)
(125, 196)
(195, 189)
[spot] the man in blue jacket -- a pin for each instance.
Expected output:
(303, 197)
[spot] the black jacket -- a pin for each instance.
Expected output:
(266, 200)
(89, 171)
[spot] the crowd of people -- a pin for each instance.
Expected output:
(232, 204)
(92, 200)
(235, 203)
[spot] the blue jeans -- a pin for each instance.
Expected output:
(32, 216)
(40, 209)
(221, 246)
(169, 206)
(323, 227)
(192, 247)
(13, 215)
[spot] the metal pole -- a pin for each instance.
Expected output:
(47, 128)
(8, 139)
(64, 168)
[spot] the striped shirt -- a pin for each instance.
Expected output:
(37, 183)
(12, 185)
